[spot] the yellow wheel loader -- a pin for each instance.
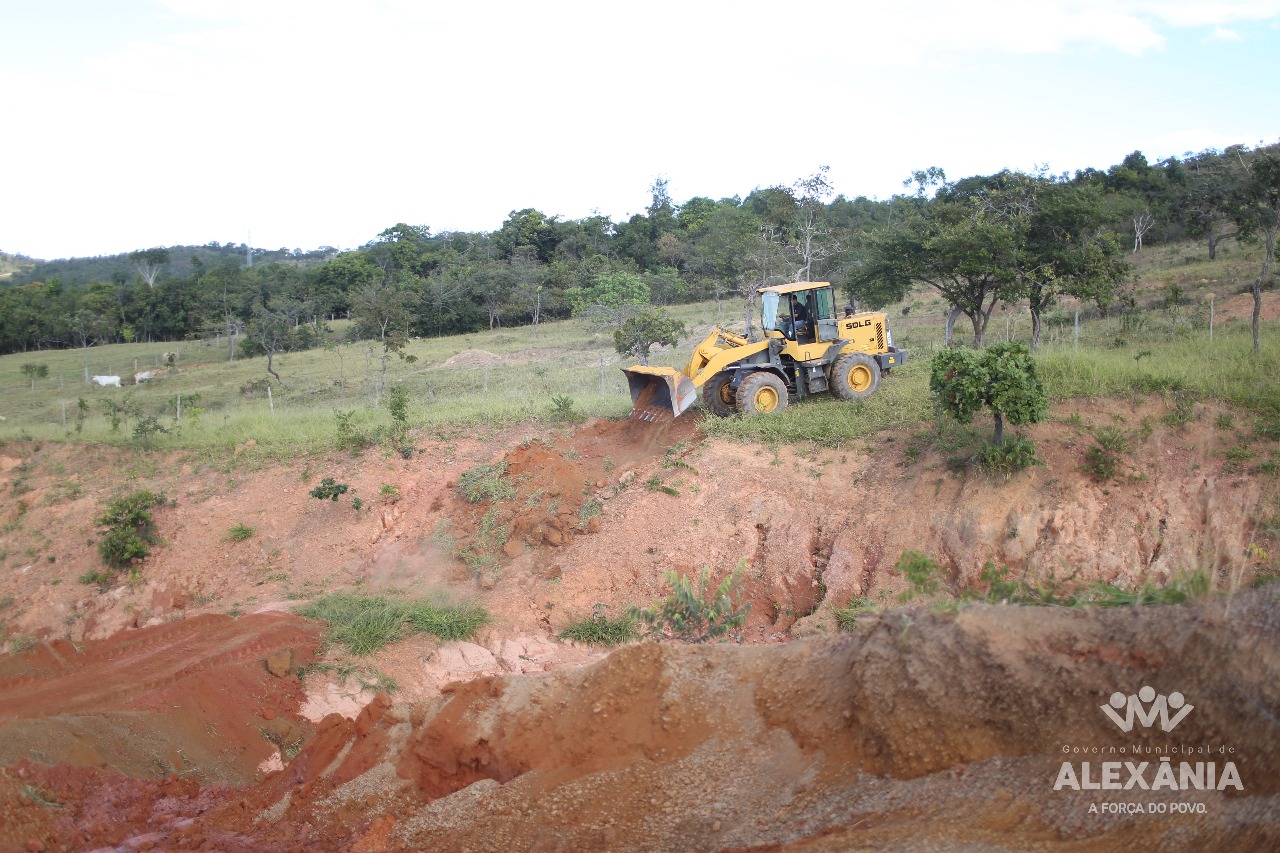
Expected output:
(806, 349)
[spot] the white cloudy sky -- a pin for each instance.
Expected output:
(136, 123)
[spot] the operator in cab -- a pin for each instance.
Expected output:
(799, 318)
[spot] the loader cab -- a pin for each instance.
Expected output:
(804, 312)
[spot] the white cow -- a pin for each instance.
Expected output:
(139, 378)
(107, 381)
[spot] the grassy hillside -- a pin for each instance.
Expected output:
(12, 266)
(510, 375)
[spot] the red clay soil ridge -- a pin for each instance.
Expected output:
(920, 729)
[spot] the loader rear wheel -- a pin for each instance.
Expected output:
(855, 376)
(762, 393)
(718, 396)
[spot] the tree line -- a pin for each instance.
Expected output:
(1014, 237)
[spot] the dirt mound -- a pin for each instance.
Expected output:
(558, 487)
(918, 730)
(473, 358)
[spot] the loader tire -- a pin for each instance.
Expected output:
(718, 396)
(762, 393)
(855, 376)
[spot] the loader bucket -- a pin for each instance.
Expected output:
(658, 390)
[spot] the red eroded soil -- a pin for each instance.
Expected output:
(521, 740)
(917, 731)
(187, 697)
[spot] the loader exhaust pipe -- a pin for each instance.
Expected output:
(655, 391)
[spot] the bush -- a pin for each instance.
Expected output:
(146, 429)
(1008, 458)
(328, 490)
(1102, 459)
(350, 436)
(130, 530)
(925, 576)
(562, 408)
(253, 386)
(599, 629)
(398, 408)
(364, 624)
(696, 615)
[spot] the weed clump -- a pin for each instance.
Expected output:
(1016, 454)
(130, 529)
(349, 436)
(240, 532)
(928, 579)
(486, 483)
(599, 629)
(847, 617)
(364, 624)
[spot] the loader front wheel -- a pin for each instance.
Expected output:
(762, 393)
(855, 376)
(718, 396)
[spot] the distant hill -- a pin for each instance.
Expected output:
(14, 265)
(17, 269)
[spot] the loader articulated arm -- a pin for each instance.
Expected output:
(656, 390)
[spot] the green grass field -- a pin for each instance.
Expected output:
(1156, 350)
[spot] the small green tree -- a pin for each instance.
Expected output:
(1002, 378)
(647, 329)
(696, 615)
(34, 372)
(398, 407)
(145, 431)
(130, 530)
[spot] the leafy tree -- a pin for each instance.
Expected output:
(648, 328)
(493, 284)
(399, 248)
(695, 212)
(34, 371)
(330, 285)
(528, 229)
(965, 253)
(272, 328)
(149, 263)
(383, 311)
(611, 298)
(722, 244)
(1060, 243)
(1255, 209)
(89, 325)
(398, 408)
(1002, 378)
(1203, 200)
(529, 292)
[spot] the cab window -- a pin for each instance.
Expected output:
(769, 311)
(822, 304)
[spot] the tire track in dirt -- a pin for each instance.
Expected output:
(118, 674)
